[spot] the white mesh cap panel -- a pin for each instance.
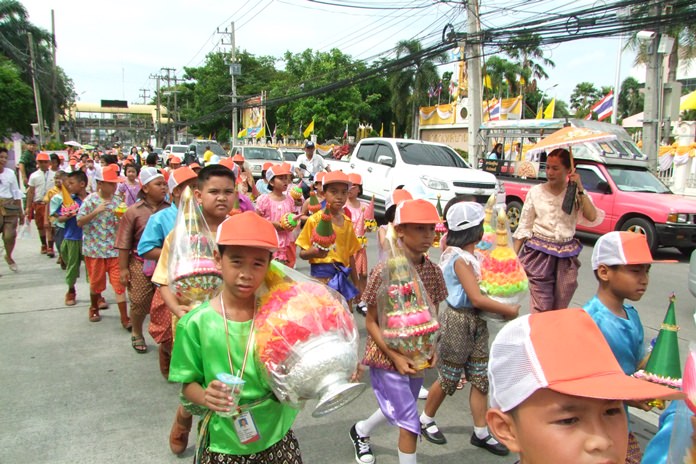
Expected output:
(608, 250)
(514, 371)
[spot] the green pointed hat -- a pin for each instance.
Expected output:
(664, 359)
(313, 200)
(325, 226)
(439, 206)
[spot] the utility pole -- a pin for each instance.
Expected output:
(56, 124)
(169, 88)
(158, 112)
(37, 95)
(652, 95)
(144, 94)
(473, 64)
(176, 110)
(235, 70)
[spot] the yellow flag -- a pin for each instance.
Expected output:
(261, 133)
(548, 112)
(487, 82)
(381, 131)
(242, 133)
(540, 112)
(309, 129)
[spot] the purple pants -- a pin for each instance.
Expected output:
(397, 396)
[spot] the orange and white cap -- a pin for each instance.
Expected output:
(43, 157)
(108, 174)
(266, 165)
(247, 229)
(174, 160)
(179, 176)
(277, 170)
(396, 197)
(194, 166)
(335, 177)
(238, 157)
(622, 248)
(319, 176)
(355, 178)
(416, 212)
(563, 351)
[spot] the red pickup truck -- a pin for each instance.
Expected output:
(631, 197)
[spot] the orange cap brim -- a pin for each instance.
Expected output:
(616, 386)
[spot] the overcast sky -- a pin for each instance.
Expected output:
(110, 49)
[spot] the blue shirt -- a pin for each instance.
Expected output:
(624, 336)
(456, 296)
(72, 230)
(156, 230)
(262, 187)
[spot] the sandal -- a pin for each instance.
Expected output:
(102, 303)
(70, 299)
(94, 315)
(461, 383)
(138, 344)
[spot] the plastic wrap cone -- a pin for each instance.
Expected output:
(502, 275)
(664, 366)
(323, 236)
(314, 204)
(67, 198)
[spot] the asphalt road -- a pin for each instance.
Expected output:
(75, 392)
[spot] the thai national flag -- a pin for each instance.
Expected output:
(495, 112)
(604, 107)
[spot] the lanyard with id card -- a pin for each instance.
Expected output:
(242, 420)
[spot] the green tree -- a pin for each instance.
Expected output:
(16, 100)
(630, 98)
(409, 86)
(14, 44)
(331, 110)
(583, 97)
(503, 76)
(525, 50)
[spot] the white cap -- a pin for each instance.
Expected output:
(148, 174)
(563, 351)
(622, 248)
(464, 215)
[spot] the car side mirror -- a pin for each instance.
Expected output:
(603, 187)
(386, 160)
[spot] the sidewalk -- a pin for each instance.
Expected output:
(75, 391)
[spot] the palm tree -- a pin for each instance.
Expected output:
(584, 95)
(409, 86)
(526, 50)
(503, 76)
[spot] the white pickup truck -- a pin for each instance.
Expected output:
(425, 169)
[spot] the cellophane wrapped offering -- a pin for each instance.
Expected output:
(323, 235)
(289, 221)
(489, 228)
(502, 276)
(120, 210)
(314, 204)
(193, 275)
(69, 206)
(686, 444)
(370, 222)
(307, 341)
(296, 193)
(407, 317)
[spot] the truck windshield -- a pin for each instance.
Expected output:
(430, 155)
(262, 154)
(636, 180)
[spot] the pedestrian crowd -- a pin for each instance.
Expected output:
(553, 386)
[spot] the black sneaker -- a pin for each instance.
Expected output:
(435, 436)
(363, 451)
(495, 448)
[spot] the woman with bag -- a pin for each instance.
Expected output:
(10, 208)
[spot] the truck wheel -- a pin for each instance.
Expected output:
(514, 210)
(642, 226)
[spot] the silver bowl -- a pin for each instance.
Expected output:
(320, 368)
